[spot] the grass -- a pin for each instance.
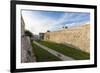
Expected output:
(43, 55)
(68, 51)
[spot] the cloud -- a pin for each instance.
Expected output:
(41, 21)
(71, 19)
(36, 23)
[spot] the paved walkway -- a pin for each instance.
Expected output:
(55, 53)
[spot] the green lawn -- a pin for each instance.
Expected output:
(68, 51)
(43, 55)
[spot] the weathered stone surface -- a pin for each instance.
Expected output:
(77, 36)
(26, 48)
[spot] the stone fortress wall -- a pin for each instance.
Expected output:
(76, 37)
(26, 48)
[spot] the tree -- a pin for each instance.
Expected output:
(48, 30)
(28, 33)
(66, 27)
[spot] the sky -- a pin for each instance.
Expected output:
(41, 21)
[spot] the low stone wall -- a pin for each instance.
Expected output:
(78, 37)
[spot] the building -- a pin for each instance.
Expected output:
(41, 36)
